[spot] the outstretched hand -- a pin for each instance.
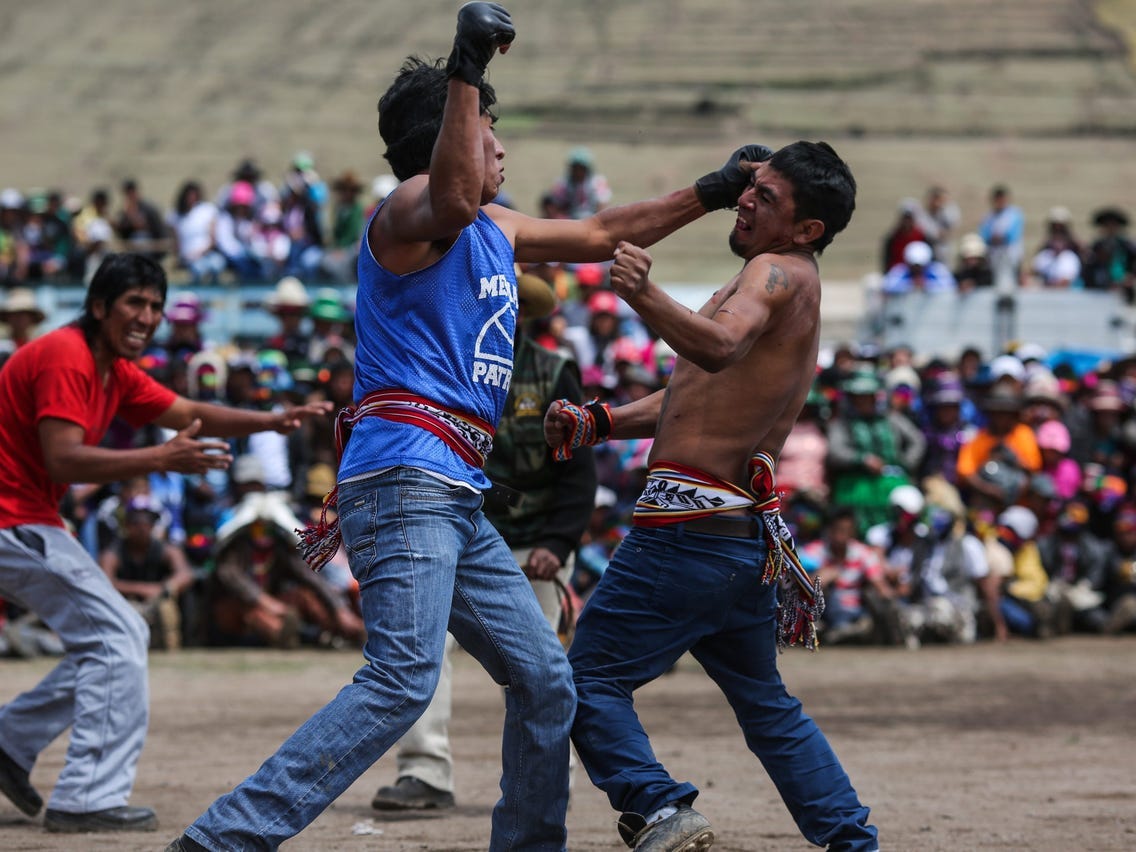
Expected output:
(630, 270)
(291, 418)
(184, 453)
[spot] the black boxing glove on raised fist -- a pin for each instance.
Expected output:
(721, 189)
(482, 28)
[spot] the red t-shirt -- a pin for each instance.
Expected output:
(55, 376)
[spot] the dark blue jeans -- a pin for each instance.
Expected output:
(668, 591)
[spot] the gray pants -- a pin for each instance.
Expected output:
(424, 751)
(99, 689)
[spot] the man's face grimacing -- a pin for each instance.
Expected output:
(766, 214)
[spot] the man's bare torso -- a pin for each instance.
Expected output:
(716, 421)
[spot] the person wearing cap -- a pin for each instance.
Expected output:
(184, 317)
(20, 312)
(329, 323)
(149, 571)
(901, 542)
(1077, 563)
(435, 317)
(234, 233)
(340, 258)
(949, 424)
(1057, 262)
(871, 450)
(540, 505)
(919, 272)
(994, 465)
(1110, 263)
(972, 269)
(1003, 231)
(1012, 551)
(58, 395)
(47, 237)
(582, 191)
(1099, 437)
(1054, 443)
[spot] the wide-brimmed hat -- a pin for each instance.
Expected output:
(972, 245)
(21, 300)
(1110, 215)
(536, 295)
(347, 182)
(946, 390)
(862, 383)
(290, 294)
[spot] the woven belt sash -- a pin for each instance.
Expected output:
(468, 436)
(676, 493)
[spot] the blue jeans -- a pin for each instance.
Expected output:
(668, 591)
(427, 560)
(99, 689)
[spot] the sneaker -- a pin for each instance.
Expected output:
(410, 794)
(16, 785)
(124, 818)
(686, 830)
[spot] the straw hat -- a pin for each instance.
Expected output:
(21, 300)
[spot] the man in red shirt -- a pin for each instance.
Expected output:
(58, 395)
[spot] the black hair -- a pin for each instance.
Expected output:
(181, 205)
(410, 114)
(823, 186)
(118, 273)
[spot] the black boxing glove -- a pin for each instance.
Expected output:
(482, 28)
(721, 189)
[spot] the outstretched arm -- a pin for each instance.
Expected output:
(227, 422)
(564, 432)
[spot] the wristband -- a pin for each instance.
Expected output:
(589, 424)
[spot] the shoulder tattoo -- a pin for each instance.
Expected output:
(777, 279)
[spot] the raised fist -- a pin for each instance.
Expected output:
(482, 29)
(721, 189)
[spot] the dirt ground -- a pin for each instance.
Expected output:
(1028, 746)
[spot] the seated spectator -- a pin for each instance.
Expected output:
(139, 223)
(149, 571)
(582, 192)
(939, 217)
(261, 590)
(271, 244)
(1042, 398)
(972, 271)
(1077, 563)
(847, 569)
(919, 272)
(289, 302)
(1120, 584)
(193, 222)
(1057, 262)
(905, 231)
(994, 466)
(13, 248)
(20, 312)
(1110, 263)
(48, 240)
(945, 428)
(339, 261)
(234, 234)
(1054, 443)
(951, 582)
(1012, 551)
(870, 451)
(300, 220)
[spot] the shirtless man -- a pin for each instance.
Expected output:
(689, 576)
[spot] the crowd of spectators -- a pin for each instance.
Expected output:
(937, 498)
(924, 251)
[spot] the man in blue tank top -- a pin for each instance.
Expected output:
(436, 313)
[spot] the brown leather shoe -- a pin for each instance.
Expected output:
(411, 794)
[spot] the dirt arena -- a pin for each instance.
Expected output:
(1028, 746)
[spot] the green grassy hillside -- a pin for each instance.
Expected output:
(1037, 93)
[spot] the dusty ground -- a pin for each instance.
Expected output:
(1022, 747)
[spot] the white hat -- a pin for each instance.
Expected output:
(917, 253)
(1060, 215)
(1007, 365)
(11, 199)
(1021, 520)
(1031, 352)
(972, 245)
(21, 300)
(290, 292)
(908, 498)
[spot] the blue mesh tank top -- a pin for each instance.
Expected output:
(444, 333)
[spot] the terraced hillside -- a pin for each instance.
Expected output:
(1039, 93)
